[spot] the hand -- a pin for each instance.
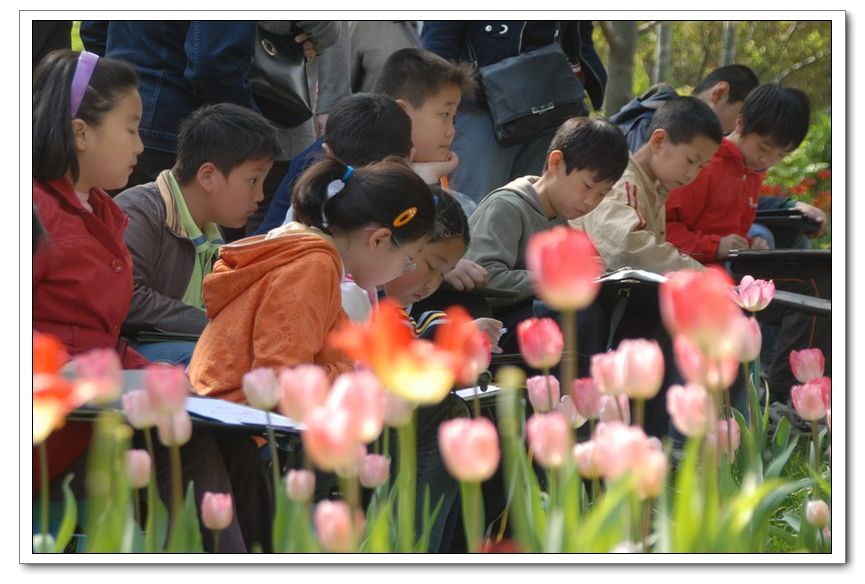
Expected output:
(466, 275)
(813, 213)
(308, 46)
(729, 243)
(759, 243)
(320, 124)
(493, 329)
(431, 172)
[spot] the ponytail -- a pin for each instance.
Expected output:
(332, 196)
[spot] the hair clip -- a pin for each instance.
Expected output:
(335, 186)
(405, 217)
(436, 201)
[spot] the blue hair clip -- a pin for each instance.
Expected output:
(348, 172)
(436, 201)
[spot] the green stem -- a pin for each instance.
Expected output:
(569, 361)
(753, 404)
(406, 445)
(176, 487)
(136, 506)
(596, 488)
(728, 415)
(553, 477)
(473, 523)
(151, 495)
(640, 411)
(43, 488)
(815, 434)
(619, 408)
(216, 541)
(274, 459)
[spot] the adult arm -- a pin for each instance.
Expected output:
(218, 56)
(445, 38)
(94, 36)
(684, 208)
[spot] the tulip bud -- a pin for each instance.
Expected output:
(754, 295)
(615, 408)
(550, 438)
(567, 408)
(99, 376)
(360, 394)
(543, 392)
(588, 459)
(216, 511)
(397, 411)
(541, 342)
(752, 340)
(167, 386)
(607, 373)
(587, 398)
(329, 438)
(138, 468)
(174, 430)
(730, 445)
(139, 412)
(469, 448)
(565, 267)
(300, 485)
(689, 407)
(817, 513)
(808, 401)
(807, 364)
(302, 388)
(642, 366)
(650, 474)
(374, 470)
(260, 388)
(334, 527)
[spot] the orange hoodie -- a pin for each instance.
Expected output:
(271, 300)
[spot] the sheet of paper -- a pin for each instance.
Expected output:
(228, 412)
(632, 274)
(472, 393)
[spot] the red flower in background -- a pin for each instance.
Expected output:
(470, 348)
(53, 396)
(825, 174)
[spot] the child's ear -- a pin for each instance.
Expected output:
(404, 104)
(657, 139)
(412, 154)
(206, 176)
(720, 92)
(79, 134)
(378, 238)
(326, 148)
(554, 161)
(740, 124)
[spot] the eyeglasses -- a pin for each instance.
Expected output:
(410, 264)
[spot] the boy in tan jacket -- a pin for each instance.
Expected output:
(629, 226)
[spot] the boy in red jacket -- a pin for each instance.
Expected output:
(711, 216)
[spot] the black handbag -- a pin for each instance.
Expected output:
(530, 93)
(278, 77)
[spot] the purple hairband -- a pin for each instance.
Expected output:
(81, 79)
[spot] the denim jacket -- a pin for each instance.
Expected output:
(494, 40)
(181, 64)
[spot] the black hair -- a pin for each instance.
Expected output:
(780, 114)
(592, 144)
(740, 78)
(684, 118)
(38, 231)
(53, 141)
(365, 128)
(416, 75)
(450, 219)
(383, 193)
(226, 135)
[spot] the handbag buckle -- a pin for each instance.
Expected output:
(542, 109)
(269, 47)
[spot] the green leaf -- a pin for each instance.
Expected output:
(606, 525)
(70, 517)
(687, 501)
(186, 534)
(378, 540)
(780, 459)
(782, 435)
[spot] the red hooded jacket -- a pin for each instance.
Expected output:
(721, 200)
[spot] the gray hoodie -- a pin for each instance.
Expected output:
(500, 230)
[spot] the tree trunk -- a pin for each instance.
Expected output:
(661, 72)
(620, 64)
(728, 52)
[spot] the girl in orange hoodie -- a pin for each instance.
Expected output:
(273, 299)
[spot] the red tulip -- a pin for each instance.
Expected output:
(642, 366)
(261, 389)
(469, 448)
(53, 399)
(697, 305)
(49, 354)
(302, 389)
(550, 438)
(361, 395)
(808, 401)
(168, 387)
(565, 267)
(807, 364)
(587, 398)
(541, 342)
(216, 511)
(690, 409)
(99, 376)
(469, 348)
(716, 374)
(754, 295)
(300, 485)
(543, 392)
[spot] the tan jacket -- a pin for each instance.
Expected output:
(629, 226)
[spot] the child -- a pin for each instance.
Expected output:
(272, 300)
(711, 216)
(224, 151)
(585, 158)
(85, 140)
(629, 226)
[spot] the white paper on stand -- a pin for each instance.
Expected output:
(228, 412)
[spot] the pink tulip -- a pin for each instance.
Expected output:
(611, 411)
(302, 389)
(565, 267)
(807, 364)
(651, 472)
(167, 386)
(697, 305)
(642, 366)
(300, 485)
(136, 406)
(808, 401)
(720, 440)
(607, 373)
(825, 390)
(396, 411)
(360, 394)
(621, 448)
(689, 407)
(99, 376)
(588, 459)
(550, 438)
(587, 398)
(374, 470)
(261, 389)
(334, 527)
(138, 468)
(817, 513)
(829, 419)
(469, 448)
(329, 438)
(716, 374)
(174, 429)
(541, 342)
(752, 340)
(216, 511)
(543, 392)
(352, 469)
(567, 408)
(754, 295)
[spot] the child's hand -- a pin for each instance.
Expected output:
(432, 172)
(729, 243)
(308, 45)
(813, 213)
(759, 243)
(493, 329)
(466, 275)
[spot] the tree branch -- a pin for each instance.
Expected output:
(801, 65)
(647, 26)
(612, 38)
